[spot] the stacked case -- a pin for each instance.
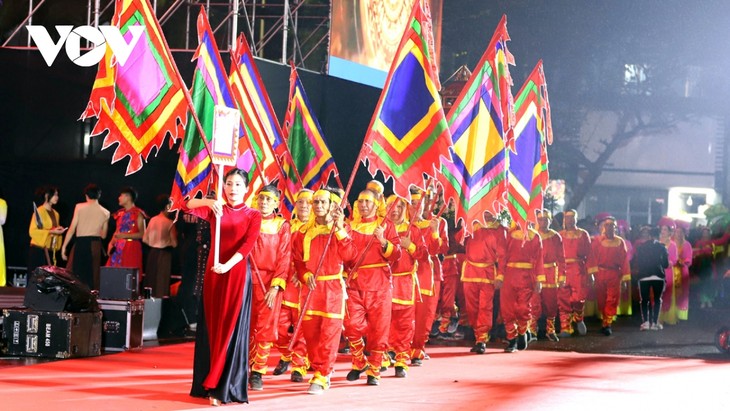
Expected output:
(122, 309)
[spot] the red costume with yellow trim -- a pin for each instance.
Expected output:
(610, 269)
(403, 312)
(271, 257)
(322, 322)
(452, 290)
(430, 277)
(484, 249)
(288, 317)
(546, 302)
(572, 295)
(522, 268)
(369, 293)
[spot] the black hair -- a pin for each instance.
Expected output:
(270, 188)
(92, 191)
(131, 191)
(239, 172)
(654, 232)
(44, 193)
(162, 201)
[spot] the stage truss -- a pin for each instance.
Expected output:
(301, 26)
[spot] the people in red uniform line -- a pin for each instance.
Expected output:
(451, 287)
(220, 364)
(289, 314)
(611, 271)
(521, 276)
(271, 260)
(553, 256)
(572, 295)
(403, 311)
(429, 273)
(323, 292)
(369, 288)
(125, 248)
(480, 273)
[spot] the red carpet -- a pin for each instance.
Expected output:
(158, 378)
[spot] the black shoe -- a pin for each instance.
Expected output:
(552, 337)
(296, 376)
(344, 350)
(383, 368)
(256, 382)
(606, 331)
(479, 348)
(416, 362)
(400, 372)
(511, 345)
(522, 342)
(354, 374)
(281, 367)
(391, 354)
(372, 380)
(531, 337)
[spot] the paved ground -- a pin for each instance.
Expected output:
(694, 338)
(688, 339)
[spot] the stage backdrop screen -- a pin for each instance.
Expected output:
(366, 33)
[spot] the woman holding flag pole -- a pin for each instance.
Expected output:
(220, 366)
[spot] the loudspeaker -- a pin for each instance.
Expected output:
(56, 289)
(119, 283)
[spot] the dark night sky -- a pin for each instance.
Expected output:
(568, 34)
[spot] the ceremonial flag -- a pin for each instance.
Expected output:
(408, 133)
(269, 147)
(143, 100)
(475, 178)
(304, 135)
(255, 151)
(210, 88)
(528, 172)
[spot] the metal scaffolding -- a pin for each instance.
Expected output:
(302, 25)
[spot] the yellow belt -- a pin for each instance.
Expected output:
(402, 274)
(450, 257)
(572, 260)
(549, 265)
(549, 286)
(330, 277)
(376, 265)
(520, 265)
(480, 265)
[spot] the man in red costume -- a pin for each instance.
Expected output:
(485, 248)
(324, 292)
(369, 288)
(429, 272)
(522, 276)
(572, 295)
(611, 271)
(451, 288)
(271, 259)
(289, 314)
(553, 259)
(403, 314)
